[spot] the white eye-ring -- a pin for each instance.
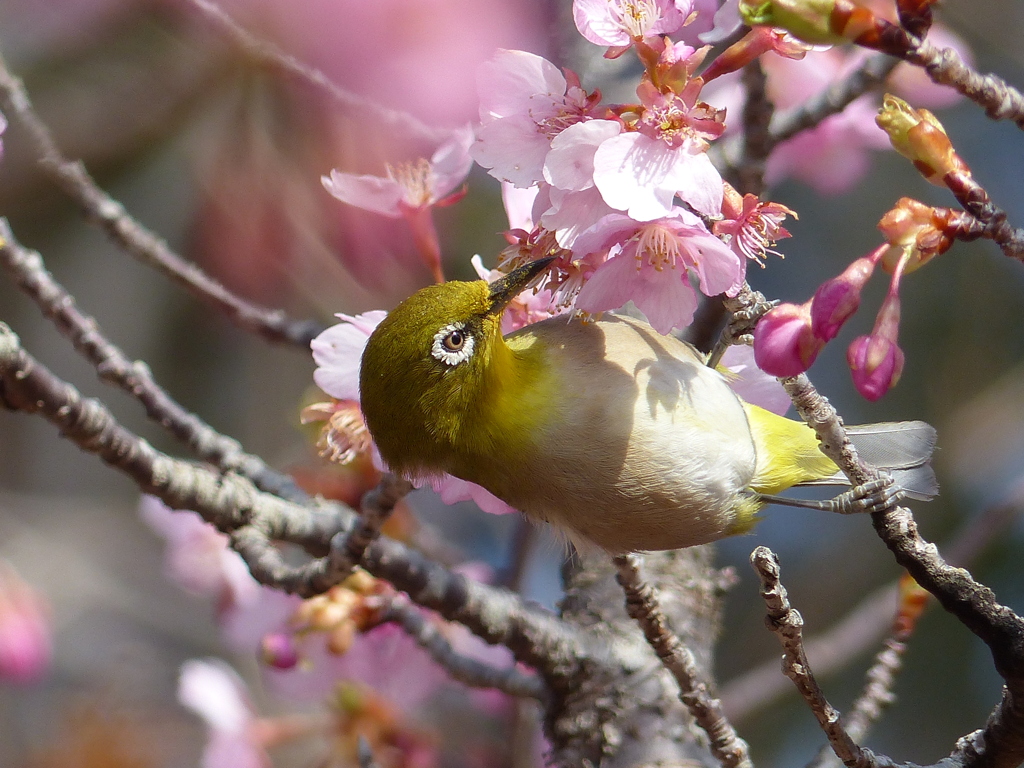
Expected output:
(452, 345)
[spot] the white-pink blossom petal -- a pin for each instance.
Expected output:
(642, 175)
(570, 163)
(453, 489)
(751, 383)
(719, 267)
(518, 204)
(518, 83)
(572, 213)
(338, 350)
(617, 22)
(371, 193)
(512, 149)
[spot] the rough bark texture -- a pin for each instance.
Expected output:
(631, 715)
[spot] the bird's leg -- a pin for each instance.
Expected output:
(870, 497)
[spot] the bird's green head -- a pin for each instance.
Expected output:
(430, 369)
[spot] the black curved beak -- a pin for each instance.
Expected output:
(504, 289)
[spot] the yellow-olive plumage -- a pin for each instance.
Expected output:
(607, 429)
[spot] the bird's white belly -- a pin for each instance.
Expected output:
(656, 439)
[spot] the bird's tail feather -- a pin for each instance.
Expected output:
(903, 449)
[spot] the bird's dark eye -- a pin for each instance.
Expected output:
(452, 344)
(454, 341)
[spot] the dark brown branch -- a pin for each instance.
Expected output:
(866, 624)
(1000, 100)
(694, 690)
(29, 273)
(270, 55)
(757, 143)
(993, 219)
(255, 519)
(833, 99)
(787, 625)
(470, 671)
(136, 239)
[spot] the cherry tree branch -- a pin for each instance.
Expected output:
(694, 690)
(255, 520)
(470, 671)
(28, 271)
(142, 243)
(833, 99)
(945, 66)
(787, 625)
(270, 55)
(866, 624)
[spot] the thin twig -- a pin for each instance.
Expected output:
(994, 220)
(945, 66)
(757, 144)
(29, 273)
(347, 549)
(256, 519)
(132, 236)
(833, 99)
(787, 625)
(470, 671)
(694, 691)
(269, 54)
(867, 623)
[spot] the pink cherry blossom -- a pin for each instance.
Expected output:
(417, 184)
(650, 264)
(751, 383)
(619, 22)
(337, 352)
(25, 644)
(410, 190)
(642, 176)
(524, 103)
(640, 172)
(216, 693)
(751, 226)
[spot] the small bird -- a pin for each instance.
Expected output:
(607, 429)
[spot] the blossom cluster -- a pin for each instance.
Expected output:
(625, 199)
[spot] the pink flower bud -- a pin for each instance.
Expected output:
(784, 343)
(876, 364)
(278, 651)
(876, 361)
(837, 299)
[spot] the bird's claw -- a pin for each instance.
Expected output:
(873, 496)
